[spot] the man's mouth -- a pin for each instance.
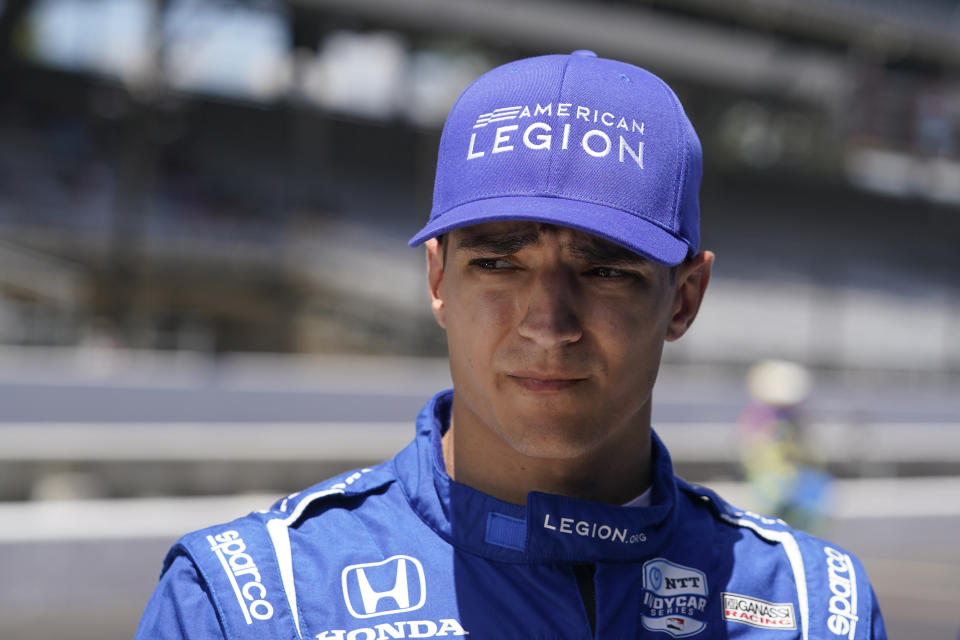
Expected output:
(537, 381)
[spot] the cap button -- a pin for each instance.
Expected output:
(584, 52)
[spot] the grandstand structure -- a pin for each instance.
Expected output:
(257, 198)
(204, 208)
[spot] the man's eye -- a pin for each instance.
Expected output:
(607, 272)
(491, 264)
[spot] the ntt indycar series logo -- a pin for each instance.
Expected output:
(542, 127)
(674, 598)
(243, 575)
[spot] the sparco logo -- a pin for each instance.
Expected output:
(596, 141)
(843, 593)
(243, 575)
(596, 530)
(758, 613)
(674, 598)
(393, 585)
(405, 629)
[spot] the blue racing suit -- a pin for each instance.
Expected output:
(403, 551)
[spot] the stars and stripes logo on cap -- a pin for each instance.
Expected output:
(503, 113)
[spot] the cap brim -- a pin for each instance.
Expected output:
(630, 231)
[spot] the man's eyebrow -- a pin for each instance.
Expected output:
(605, 253)
(499, 244)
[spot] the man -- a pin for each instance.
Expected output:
(535, 500)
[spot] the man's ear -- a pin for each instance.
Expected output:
(691, 283)
(434, 278)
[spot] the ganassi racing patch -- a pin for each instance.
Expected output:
(758, 613)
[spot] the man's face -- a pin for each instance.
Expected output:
(555, 335)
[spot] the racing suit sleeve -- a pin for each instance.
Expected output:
(842, 602)
(180, 607)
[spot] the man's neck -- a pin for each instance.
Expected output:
(614, 473)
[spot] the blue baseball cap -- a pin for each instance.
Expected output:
(575, 140)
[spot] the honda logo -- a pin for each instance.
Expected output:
(393, 585)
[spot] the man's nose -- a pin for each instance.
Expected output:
(550, 309)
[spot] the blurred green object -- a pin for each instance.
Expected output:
(784, 476)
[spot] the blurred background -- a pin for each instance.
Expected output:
(207, 301)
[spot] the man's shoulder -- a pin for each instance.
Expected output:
(245, 566)
(710, 502)
(350, 488)
(353, 486)
(765, 528)
(263, 528)
(834, 589)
